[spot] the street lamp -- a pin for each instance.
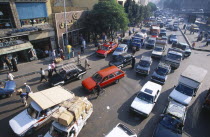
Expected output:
(64, 6)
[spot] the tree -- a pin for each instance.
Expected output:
(152, 6)
(107, 16)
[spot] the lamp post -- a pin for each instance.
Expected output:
(64, 6)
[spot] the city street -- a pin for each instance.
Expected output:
(113, 107)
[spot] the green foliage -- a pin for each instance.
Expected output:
(137, 13)
(107, 16)
(172, 4)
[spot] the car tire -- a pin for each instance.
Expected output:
(117, 81)
(3, 96)
(80, 77)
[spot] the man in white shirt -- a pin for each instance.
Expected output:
(42, 72)
(10, 76)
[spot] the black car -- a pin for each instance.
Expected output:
(66, 74)
(121, 60)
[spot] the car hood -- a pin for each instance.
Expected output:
(117, 53)
(142, 106)
(157, 52)
(89, 83)
(142, 68)
(21, 122)
(159, 76)
(180, 97)
(101, 51)
(161, 131)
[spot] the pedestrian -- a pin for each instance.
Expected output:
(53, 67)
(98, 89)
(14, 64)
(72, 52)
(28, 90)
(133, 62)
(184, 26)
(129, 32)
(84, 43)
(61, 53)
(10, 77)
(46, 53)
(207, 42)
(193, 45)
(185, 30)
(82, 49)
(53, 55)
(133, 30)
(133, 50)
(206, 35)
(78, 59)
(87, 64)
(198, 38)
(104, 37)
(42, 72)
(7, 61)
(50, 72)
(68, 50)
(119, 39)
(23, 98)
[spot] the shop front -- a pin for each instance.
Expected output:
(75, 28)
(15, 46)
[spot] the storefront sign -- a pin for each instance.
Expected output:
(8, 42)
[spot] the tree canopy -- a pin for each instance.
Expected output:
(107, 16)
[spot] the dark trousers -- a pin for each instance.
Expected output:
(43, 77)
(82, 50)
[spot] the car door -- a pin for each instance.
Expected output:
(105, 81)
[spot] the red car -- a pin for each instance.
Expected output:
(103, 77)
(106, 48)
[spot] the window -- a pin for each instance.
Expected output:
(105, 78)
(118, 73)
(111, 76)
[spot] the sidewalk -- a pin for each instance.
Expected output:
(190, 38)
(30, 68)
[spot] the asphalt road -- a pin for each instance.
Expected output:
(118, 98)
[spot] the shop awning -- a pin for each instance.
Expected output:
(15, 48)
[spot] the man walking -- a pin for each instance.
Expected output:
(82, 49)
(68, 50)
(53, 67)
(53, 55)
(207, 42)
(7, 61)
(133, 62)
(84, 43)
(50, 71)
(42, 72)
(10, 77)
(14, 64)
(133, 50)
(193, 45)
(87, 64)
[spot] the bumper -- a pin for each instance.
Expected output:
(187, 54)
(150, 46)
(142, 72)
(158, 81)
(138, 112)
(156, 56)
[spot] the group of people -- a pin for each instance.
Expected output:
(11, 64)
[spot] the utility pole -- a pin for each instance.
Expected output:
(67, 40)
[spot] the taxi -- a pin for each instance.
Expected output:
(103, 77)
(106, 48)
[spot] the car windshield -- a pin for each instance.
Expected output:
(173, 36)
(54, 132)
(185, 90)
(145, 97)
(172, 123)
(119, 49)
(150, 41)
(161, 71)
(158, 49)
(104, 48)
(174, 57)
(144, 63)
(96, 77)
(32, 112)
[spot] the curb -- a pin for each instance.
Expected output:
(189, 43)
(58, 66)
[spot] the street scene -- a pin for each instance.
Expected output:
(140, 70)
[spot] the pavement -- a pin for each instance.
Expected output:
(190, 38)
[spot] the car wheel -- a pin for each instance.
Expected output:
(117, 81)
(3, 96)
(80, 77)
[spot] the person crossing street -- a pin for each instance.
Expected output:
(42, 72)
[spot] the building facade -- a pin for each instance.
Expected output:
(196, 4)
(144, 2)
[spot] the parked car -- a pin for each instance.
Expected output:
(170, 27)
(106, 48)
(173, 38)
(176, 28)
(143, 66)
(122, 48)
(121, 61)
(183, 46)
(137, 42)
(189, 83)
(67, 74)
(172, 121)
(146, 99)
(159, 49)
(121, 131)
(160, 74)
(8, 88)
(150, 43)
(162, 32)
(174, 57)
(103, 77)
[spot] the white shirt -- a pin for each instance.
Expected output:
(10, 76)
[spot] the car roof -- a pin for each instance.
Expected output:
(151, 88)
(145, 58)
(122, 45)
(176, 109)
(108, 71)
(174, 52)
(108, 44)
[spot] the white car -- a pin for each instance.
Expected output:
(141, 35)
(158, 52)
(122, 48)
(146, 99)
